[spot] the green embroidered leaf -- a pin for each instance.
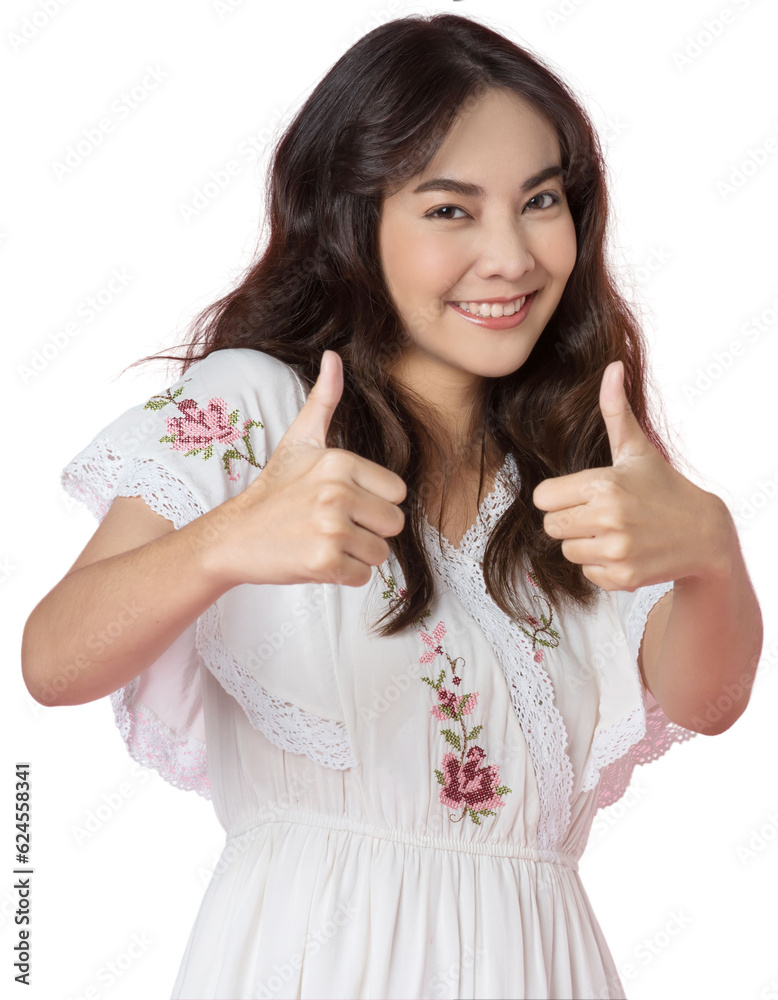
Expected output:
(431, 683)
(226, 456)
(463, 703)
(192, 451)
(441, 675)
(178, 391)
(439, 776)
(156, 404)
(486, 812)
(453, 739)
(474, 732)
(233, 418)
(250, 450)
(502, 790)
(167, 438)
(473, 817)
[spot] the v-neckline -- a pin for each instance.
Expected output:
(492, 507)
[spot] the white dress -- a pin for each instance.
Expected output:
(404, 816)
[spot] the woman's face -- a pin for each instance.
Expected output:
(440, 247)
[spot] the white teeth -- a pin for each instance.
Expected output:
(493, 309)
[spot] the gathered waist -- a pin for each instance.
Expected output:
(497, 848)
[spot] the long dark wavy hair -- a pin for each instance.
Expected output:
(373, 122)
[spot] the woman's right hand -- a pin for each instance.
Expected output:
(313, 514)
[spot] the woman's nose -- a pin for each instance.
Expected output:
(503, 249)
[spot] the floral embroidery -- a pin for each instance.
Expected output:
(467, 783)
(199, 430)
(541, 625)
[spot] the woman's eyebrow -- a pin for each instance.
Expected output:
(468, 190)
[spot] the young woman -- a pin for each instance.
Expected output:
(398, 571)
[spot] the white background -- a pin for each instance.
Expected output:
(686, 912)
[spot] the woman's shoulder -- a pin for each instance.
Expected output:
(238, 366)
(244, 382)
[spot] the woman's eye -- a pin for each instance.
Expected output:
(434, 213)
(555, 199)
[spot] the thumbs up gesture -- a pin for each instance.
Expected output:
(314, 514)
(638, 521)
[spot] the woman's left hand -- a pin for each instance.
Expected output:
(638, 521)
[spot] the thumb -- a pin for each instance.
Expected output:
(625, 434)
(312, 422)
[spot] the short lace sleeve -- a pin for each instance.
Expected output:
(637, 731)
(185, 450)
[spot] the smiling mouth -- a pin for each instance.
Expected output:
(495, 310)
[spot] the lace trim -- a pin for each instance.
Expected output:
(646, 733)
(99, 474)
(613, 742)
(288, 727)
(531, 689)
(660, 735)
(181, 761)
(645, 599)
(95, 477)
(472, 545)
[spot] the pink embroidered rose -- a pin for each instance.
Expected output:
(448, 699)
(469, 783)
(199, 428)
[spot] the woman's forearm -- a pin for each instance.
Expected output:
(103, 624)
